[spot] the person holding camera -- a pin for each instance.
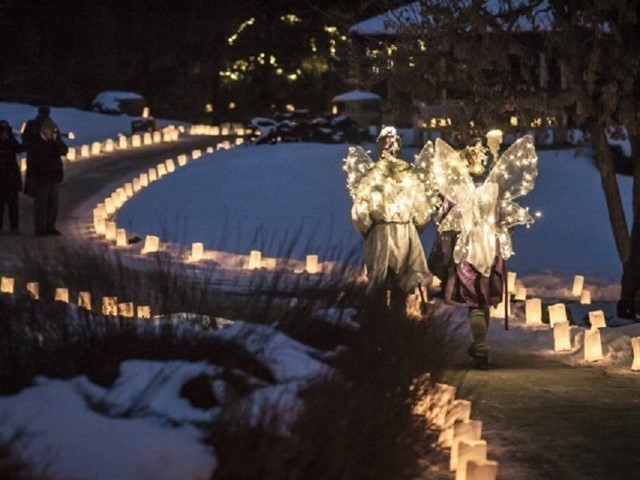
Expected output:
(46, 172)
(10, 177)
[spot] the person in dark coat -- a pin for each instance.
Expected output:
(630, 282)
(46, 151)
(10, 177)
(30, 134)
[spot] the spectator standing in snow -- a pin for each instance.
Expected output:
(46, 151)
(630, 282)
(30, 133)
(10, 178)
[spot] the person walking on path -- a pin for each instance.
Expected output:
(46, 151)
(391, 206)
(474, 225)
(10, 177)
(630, 282)
(31, 133)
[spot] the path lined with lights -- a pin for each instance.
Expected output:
(546, 420)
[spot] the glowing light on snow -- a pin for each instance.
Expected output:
(151, 244)
(84, 300)
(109, 145)
(95, 148)
(592, 345)
(144, 180)
(585, 297)
(596, 319)
(85, 151)
(136, 141)
(126, 309)
(111, 231)
(147, 138)
(128, 189)
(561, 337)
(533, 309)
(71, 154)
(464, 431)
(145, 112)
(34, 289)
(482, 470)
(162, 170)
(521, 293)
(152, 175)
(511, 281)
(557, 313)
(635, 343)
(578, 285)
(255, 259)
(110, 306)
(62, 295)
(469, 450)
(109, 206)
(143, 312)
(121, 237)
(7, 285)
(312, 265)
(182, 160)
(197, 252)
(122, 142)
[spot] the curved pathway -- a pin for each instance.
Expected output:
(85, 181)
(542, 419)
(545, 420)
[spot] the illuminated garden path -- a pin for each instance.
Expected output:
(545, 420)
(83, 180)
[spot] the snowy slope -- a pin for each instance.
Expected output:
(259, 197)
(87, 126)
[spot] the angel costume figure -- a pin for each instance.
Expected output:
(392, 202)
(477, 217)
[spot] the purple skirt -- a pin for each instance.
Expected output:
(466, 287)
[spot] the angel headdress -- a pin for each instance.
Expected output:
(392, 201)
(482, 214)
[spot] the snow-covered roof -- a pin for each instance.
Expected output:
(355, 96)
(392, 21)
(110, 99)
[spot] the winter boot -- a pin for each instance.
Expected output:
(479, 349)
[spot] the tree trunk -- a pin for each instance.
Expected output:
(604, 162)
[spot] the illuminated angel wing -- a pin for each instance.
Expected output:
(473, 208)
(357, 164)
(515, 174)
(423, 168)
(450, 173)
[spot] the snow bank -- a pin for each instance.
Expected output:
(76, 442)
(298, 190)
(87, 126)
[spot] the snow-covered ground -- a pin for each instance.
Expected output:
(141, 427)
(261, 198)
(87, 126)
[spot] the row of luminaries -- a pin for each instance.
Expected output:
(110, 305)
(106, 227)
(463, 436)
(558, 321)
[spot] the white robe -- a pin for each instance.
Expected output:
(390, 205)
